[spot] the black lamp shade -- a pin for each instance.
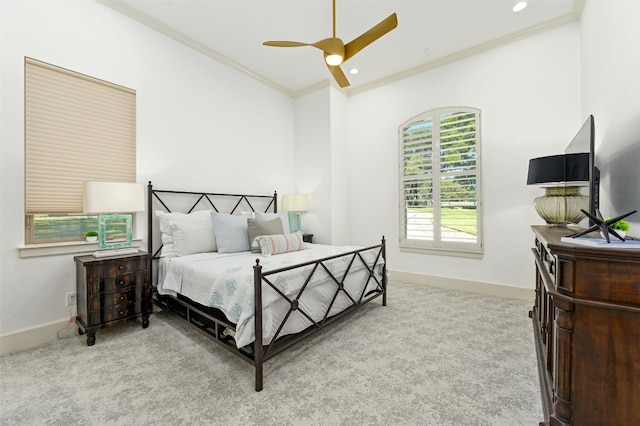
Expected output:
(559, 168)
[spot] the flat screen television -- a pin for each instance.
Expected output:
(584, 142)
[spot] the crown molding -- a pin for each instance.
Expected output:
(136, 15)
(472, 51)
(132, 13)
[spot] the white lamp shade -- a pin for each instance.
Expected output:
(295, 202)
(111, 197)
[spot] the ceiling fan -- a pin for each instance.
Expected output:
(336, 52)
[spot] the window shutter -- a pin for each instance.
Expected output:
(439, 190)
(77, 129)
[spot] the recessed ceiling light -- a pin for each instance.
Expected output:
(519, 6)
(427, 51)
(354, 71)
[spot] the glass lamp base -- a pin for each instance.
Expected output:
(562, 205)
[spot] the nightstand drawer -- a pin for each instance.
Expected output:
(114, 267)
(109, 300)
(114, 313)
(116, 284)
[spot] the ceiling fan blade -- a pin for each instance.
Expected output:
(362, 41)
(338, 75)
(285, 44)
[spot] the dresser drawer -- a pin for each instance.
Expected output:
(109, 300)
(116, 284)
(114, 313)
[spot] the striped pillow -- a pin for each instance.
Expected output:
(280, 243)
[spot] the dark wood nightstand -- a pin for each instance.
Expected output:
(111, 290)
(307, 238)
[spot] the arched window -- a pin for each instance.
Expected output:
(440, 205)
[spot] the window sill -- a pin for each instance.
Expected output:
(54, 249)
(443, 252)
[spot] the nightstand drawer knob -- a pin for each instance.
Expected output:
(121, 297)
(121, 282)
(121, 267)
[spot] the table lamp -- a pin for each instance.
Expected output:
(295, 204)
(106, 199)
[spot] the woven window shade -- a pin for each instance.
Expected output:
(77, 129)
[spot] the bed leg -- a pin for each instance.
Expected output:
(384, 272)
(258, 377)
(258, 349)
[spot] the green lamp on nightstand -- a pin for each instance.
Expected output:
(295, 204)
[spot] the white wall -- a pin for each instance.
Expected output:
(313, 162)
(198, 120)
(529, 96)
(610, 37)
(322, 164)
(200, 125)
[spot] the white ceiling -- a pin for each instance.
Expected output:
(429, 33)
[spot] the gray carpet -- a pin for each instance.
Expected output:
(431, 357)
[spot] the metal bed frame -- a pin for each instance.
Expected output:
(213, 323)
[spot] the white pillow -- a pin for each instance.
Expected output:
(232, 234)
(191, 238)
(284, 216)
(196, 227)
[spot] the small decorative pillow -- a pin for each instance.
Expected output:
(262, 227)
(199, 226)
(284, 217)
(278, 244)
(231, 233)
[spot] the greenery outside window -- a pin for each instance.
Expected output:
(440, 204)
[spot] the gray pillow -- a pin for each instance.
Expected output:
(231, 233)
(284, 216)
(262, 227)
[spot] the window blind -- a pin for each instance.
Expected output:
(77, 128)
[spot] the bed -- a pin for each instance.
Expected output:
(229, 266)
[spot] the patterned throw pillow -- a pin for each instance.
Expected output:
(282, 243)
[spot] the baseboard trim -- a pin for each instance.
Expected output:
(35, 336)
(464, 285)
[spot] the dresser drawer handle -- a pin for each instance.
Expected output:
(121, 267)
(121, 312)
(121, 297)
(121, 282)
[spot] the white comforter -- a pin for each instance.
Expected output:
(225, 281)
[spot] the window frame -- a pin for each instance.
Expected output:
(436, 245)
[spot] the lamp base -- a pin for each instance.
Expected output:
(295, 222)
(562, 205)
(116, 252)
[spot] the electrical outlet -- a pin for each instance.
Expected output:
(71, 299)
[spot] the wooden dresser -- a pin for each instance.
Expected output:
(111, 290)
(586, 320)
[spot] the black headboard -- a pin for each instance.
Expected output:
(172, 201)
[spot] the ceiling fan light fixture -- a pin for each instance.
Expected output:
(334, 60)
